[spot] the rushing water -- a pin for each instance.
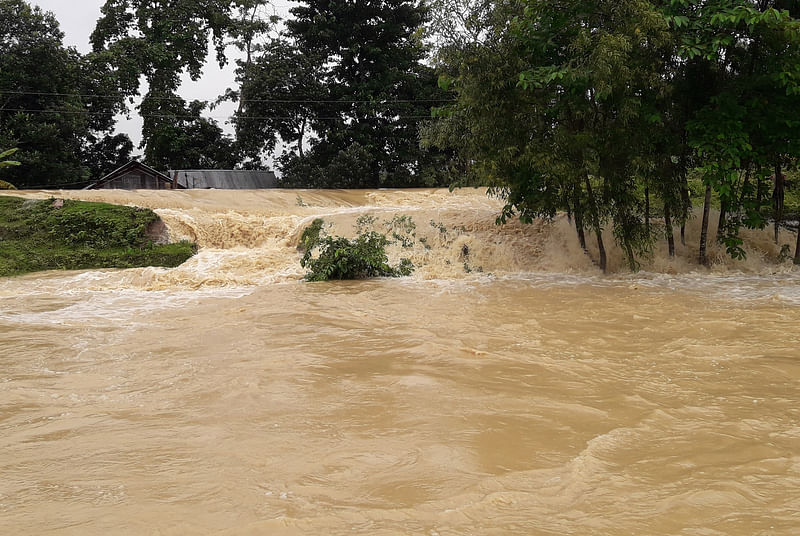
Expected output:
(505, 388)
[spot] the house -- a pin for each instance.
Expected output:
(225, 179)
(137, 176)
(133, 176)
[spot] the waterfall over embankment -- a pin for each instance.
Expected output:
(250, 237)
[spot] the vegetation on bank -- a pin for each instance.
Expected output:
(53, 234)
(603, 109)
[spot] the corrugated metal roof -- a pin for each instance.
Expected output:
(226, 179)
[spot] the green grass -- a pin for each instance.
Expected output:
(36, 236)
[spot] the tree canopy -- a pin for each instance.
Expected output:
(592, 107)
(48, 104)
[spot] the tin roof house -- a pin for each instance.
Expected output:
(137, 176)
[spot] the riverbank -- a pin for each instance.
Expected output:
(57, 234)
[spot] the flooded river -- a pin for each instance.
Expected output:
(506, 387)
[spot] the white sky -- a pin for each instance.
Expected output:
(78, 18)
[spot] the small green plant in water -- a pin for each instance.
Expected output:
(401, 223)
(364, 222)
(442, 228)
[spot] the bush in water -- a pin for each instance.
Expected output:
(363, 257)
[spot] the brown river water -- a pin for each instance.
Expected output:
(507, 387)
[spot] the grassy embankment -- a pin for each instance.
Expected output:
(43, 235)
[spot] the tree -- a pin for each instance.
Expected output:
(161, 41)
(375, 91)
(593, 107)
(186, 140)
(46, 103)
(748, 126)
(558, 104)
(280, 95)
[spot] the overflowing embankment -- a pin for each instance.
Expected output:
(52, 234)
(251, 237)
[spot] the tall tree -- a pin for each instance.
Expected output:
(161, 41)
(49, 106)
(184, 139)
(376, 89)
(280, 95)
(748, 126)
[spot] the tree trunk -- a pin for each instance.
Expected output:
(685, 213)
(777, 199)
(647, 210)
(670, 235)
(632, 264)
(797, 246)
(579, 226)
(704, 229)
(601, 249)
(723, 212)
(598, 231)
(301, 132)
(745, 187)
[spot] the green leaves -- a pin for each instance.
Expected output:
(363, 257)
(38, 235)
(6, 154)
(584, 106)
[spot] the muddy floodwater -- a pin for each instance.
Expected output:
(507, 387)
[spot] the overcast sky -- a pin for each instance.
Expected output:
(78, 18)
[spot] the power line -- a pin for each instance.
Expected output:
(177, 98)
(175, 116)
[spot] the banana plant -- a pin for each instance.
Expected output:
(6, 154)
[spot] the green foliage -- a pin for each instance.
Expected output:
(363, 257)
(45, 109)
(362, 66)
(40, 235)
(593, 107)
(4, 162)
(161, 41)
(311, 235)
(185, 139)
(364, 222)
(278, 84)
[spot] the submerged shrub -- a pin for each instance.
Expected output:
(363, 257)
